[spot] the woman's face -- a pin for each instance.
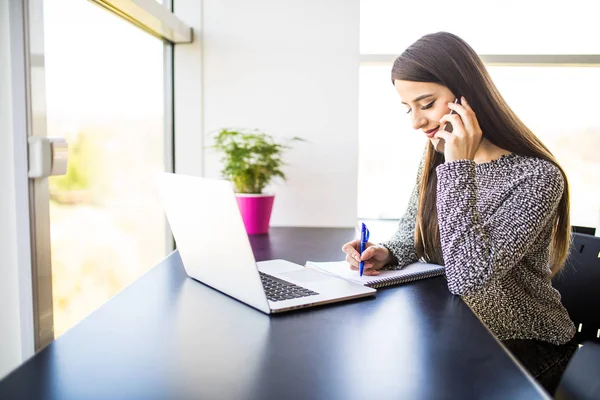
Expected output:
(426, 103)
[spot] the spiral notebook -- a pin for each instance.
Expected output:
(409, 273)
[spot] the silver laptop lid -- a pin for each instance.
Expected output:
(205, 220)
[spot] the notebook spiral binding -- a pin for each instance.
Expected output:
(399, 280)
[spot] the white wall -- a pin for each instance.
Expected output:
(10, 328)
(290, 68)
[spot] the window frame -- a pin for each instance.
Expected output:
(512, 60)
(151, 16)
(27, 38)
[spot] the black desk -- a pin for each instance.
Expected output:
(170, 337)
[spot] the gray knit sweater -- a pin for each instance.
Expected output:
(495, 224)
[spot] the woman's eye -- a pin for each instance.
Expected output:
(425, 107)
(428, 106)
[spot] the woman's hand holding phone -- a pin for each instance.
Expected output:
(463, 142)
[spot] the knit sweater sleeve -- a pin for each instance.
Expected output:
(477, 251)
(402, 243)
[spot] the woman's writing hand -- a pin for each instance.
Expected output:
(374, 256)
(463, 142)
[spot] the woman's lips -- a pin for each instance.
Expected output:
(431, 133)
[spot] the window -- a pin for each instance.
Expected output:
(105, 94)
(491, 27)
(389, 149)
(558, 104)
(555, 101)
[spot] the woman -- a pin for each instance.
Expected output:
(491, 204)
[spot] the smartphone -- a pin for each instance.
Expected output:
(438, 146)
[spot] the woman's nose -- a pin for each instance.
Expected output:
(418, 120)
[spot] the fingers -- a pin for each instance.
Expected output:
(469, 120)
(368, 267)
(371, 272)
(369, 256)
(352, 261)
(350, 249)
(458, 127)
(448, 137)
(467, 106)
(353, 257)
(368, 253)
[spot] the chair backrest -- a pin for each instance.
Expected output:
(580, 381)
(584, 229)
(579, 286)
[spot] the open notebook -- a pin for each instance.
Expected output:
(411, 272)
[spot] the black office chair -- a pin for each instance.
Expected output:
(579, 286)
(580, 379)
(584, 229)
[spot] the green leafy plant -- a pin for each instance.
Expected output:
(251, 158)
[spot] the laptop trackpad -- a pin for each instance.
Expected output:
(306, 275)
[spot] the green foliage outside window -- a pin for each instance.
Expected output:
(77, 178)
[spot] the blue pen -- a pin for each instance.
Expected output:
(364, 238)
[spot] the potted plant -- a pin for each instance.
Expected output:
(251, 159)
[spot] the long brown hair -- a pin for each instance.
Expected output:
(448, 60)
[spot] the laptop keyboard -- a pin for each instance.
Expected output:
(277, 289)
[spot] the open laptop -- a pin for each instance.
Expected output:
(205, 220)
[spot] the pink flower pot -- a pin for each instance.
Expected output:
(256, 211)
